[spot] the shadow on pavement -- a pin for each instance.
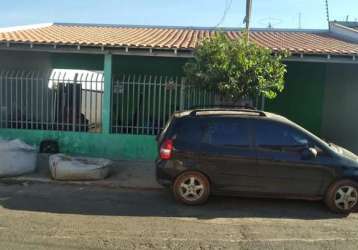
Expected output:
(85, 200)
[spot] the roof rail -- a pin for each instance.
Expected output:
(247, 110)
(225, 107)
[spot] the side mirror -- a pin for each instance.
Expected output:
(309, 153)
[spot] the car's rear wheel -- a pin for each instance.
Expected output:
(342, 196)
(191, 188)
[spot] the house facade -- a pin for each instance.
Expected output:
(107, 90)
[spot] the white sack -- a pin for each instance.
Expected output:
(16, 158)
(63, 167)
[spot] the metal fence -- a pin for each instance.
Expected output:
(142, 104)
(53, 100)
(71, 100)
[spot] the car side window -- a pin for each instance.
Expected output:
(277, 136)
(227, 132)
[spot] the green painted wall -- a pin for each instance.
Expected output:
(148, 65)
(340, 119)
(107, 92)
(113, 146)
(77, 61)
(302, 99)
(122, 64)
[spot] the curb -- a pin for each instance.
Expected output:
(26, 180)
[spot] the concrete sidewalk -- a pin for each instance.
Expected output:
(123, 174)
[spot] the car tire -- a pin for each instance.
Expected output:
(191, 188)
(342, 197)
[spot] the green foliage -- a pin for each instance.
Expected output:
(236, 68)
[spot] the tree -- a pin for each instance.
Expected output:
(236, 69)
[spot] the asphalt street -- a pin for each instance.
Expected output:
(55, 216)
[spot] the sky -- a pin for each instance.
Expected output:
(202, 13)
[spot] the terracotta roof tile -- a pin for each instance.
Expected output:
(315, 42)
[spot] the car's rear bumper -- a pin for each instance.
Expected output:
(168, 170)
(163, 175)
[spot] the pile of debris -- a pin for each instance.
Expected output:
(18, 158)
(64, 167)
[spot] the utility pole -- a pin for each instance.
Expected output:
(327, 12)
(248, 18)
(299, 20)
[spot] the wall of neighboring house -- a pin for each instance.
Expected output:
(340, 109)
(302, 98)
(322, 98)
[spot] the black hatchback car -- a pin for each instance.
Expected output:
(246, 152)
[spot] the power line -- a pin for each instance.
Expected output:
(228, 4)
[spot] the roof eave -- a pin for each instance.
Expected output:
(97, 49)
(324, 58)
(159, 52)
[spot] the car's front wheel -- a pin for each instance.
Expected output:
(191, 188)
(342, 196)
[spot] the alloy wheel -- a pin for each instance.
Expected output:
(191, 188)
(346, 197)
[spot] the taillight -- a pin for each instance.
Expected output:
(166, 149)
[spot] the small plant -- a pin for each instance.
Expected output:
(236, 69)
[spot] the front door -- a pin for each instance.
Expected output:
(281, 166)
(228, 154)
